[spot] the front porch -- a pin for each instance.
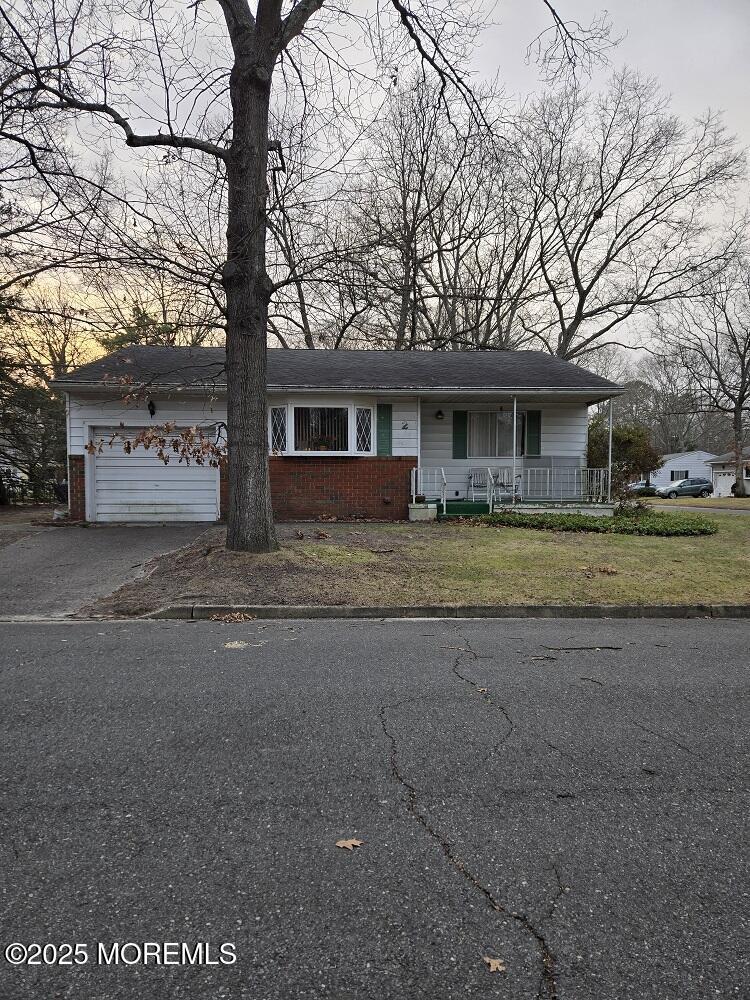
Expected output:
(565, 489)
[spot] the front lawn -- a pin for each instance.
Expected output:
(381, 564)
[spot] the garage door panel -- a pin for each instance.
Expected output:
(140, 487)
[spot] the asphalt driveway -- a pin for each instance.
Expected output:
(568, 798)
(55, 571)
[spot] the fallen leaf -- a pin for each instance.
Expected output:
(494, 964)
(299, 534)
(234, 616)
(322, 534)
(482, 690)
(349, 844)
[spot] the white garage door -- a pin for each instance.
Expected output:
(140, 487)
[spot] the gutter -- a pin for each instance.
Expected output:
(379, 390)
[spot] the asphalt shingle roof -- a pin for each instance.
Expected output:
(319, 369)
(728, 456)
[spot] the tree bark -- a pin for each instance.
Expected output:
(247, 286)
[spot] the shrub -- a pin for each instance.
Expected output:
(665, 525)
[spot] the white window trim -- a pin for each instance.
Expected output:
(351, 406)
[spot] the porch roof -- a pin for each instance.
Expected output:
(367, 371)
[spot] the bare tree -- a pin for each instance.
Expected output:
(171, 78)
(630, 198)
(710, 336)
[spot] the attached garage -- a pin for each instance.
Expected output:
(137, 486)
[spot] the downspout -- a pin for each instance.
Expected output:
(609, 456)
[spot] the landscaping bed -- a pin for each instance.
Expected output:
(448, 564)
(648, 523)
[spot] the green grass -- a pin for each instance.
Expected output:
(454, 563)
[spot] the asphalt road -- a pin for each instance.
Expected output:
(55, 571)
(578, 813)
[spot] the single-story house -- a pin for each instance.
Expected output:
(683, 465)
(724, 469)
(350, 433)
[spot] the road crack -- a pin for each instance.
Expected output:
(548, 983)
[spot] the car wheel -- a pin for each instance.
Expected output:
(672, 495)
(705, 493)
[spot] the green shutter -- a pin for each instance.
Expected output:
(460, 421)
(533, 432)
(385, 428)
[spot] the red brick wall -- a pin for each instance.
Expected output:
(345, 487)
(77, 487)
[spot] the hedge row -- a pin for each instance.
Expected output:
(665, 525)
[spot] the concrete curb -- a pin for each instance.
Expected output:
(202, 612)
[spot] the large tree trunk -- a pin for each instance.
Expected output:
(247, 285)
(739, 490)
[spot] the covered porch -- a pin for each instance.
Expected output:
(479, 455)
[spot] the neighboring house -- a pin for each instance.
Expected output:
(683, 465)
(724, 469)
(351, 433)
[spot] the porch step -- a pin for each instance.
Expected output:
(463, 508)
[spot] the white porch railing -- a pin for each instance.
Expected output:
(567, 482)
(429, 482)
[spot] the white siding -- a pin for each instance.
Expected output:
(694, 463)
(109, 412)
(200, 409)
(405, 425)
(565, 433)
(564, 439)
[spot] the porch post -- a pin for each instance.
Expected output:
(609, 456)
(515, 434)
(419, 450)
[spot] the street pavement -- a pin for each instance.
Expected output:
(568, 797)
(54, 571)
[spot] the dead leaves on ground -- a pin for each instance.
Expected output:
(494, 964)
(591, 571)
(349, 843)
(234, 616)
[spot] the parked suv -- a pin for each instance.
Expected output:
(686, 488)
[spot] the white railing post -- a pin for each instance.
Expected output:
(609, 456)
(515, 431)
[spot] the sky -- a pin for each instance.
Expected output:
(698, 49)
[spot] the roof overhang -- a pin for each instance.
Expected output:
(593, 394)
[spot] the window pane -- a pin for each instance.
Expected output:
(364, 428)
(481, 435)
(278, 428)
(321, 428)
(505, 433)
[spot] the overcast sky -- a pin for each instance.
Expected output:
(699, 49)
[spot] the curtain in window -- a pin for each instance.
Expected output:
(321, 428)
(491, 434)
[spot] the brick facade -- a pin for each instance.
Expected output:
(345, 487)
(77, 487)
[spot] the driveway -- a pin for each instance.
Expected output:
(55, 571)
(569, 798)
